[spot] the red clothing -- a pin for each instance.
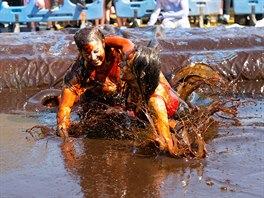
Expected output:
(173, 105)
(83, 77)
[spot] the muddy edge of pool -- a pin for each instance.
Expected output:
(40, 59)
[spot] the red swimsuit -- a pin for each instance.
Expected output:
(173, 105)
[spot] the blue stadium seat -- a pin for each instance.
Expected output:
(127, 8)
(132, 8)
(67, 12)
(245, 6)
(208, 6)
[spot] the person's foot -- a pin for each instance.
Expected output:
(225, 19)
(34, 29)
(50, 28)
(53, 9)
(58, 27)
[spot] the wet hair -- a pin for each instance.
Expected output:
(146, 66)
(86, 35)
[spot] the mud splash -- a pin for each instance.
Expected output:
(190, 125)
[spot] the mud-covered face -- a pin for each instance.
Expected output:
(94, 53)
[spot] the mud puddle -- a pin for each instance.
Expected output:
(113, 168)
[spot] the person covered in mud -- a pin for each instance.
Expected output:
(171, 13)
(148, 92)
(94, 75)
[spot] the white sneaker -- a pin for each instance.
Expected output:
(55, 9)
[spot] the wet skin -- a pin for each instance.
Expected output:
(157, 109)
(94, 54)
(157, 106)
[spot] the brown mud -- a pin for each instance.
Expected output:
(94, 167)
(41, 59)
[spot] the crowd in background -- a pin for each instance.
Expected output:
(167, 13)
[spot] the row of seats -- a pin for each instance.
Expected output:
(124, 9)
(67, 12)
(248, 6)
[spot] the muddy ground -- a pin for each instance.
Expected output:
(234, 166)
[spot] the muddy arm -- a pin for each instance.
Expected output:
(63, 116)
(159, 116)
(125, 45)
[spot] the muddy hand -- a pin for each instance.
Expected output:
(161, 142)
(172, 145)
(62, 132)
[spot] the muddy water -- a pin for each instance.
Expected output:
(234, 166)
(110, 168)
